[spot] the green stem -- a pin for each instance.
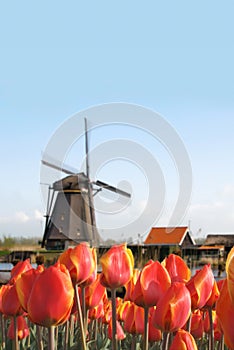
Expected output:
(165, 340)
(39, 338)
(114, 319)
(80, 317)
(146, 329)
(51, 343)
(211, 333)
(66, 337)
(2, 330)
(84, 311)
(16, 341)
(133, 343)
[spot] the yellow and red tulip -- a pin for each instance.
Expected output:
(152, 283)
(134, 320)
(183, 340)
(173, 308)
(129, 287)
(80, 262)
(197, 324)
(200, 287)
(25, 283)
(177, 268)
(117, 266)
(19, 268)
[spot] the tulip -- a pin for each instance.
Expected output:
(230, 273)
(173, 308)
(22, 329)
(119, 331)
(10, 302)
(134, 320)
(129, 287)
(51, 297)
(122, 310)
(154, 334)
(197, 325)
(183, 341)
(214, 296)
(200, 287)
(25, 283)
(80, 262)
(225, 313)
(152, 283)
(18, 269)
(117, 266)
(96, 312)
(177, 268)
(117, 269)
(94, 293)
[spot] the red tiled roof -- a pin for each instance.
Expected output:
(166, 235)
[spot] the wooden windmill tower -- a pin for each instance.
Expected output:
(70, 216)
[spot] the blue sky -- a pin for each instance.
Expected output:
(175, 58)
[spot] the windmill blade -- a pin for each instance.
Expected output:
(52, 163)
(112, 188)
(86, 148)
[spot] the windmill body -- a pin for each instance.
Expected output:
(70, 216)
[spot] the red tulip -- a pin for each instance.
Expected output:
(214, 295)
(173, 308)
(94, 293)
(25, 283)
(117, 266)
(225, 313)
(80, 262)
(23, 330)
(10, 301)
(152, 283)
(177, 268)
(96, 312)
(183, 341)
(19, 268)
(134, 320)
(154, 334)
(123, 310)
(200, 287)
(197, 325)
(51, 297)
(119, 331)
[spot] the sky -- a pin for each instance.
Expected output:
(173, 58)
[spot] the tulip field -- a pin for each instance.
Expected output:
(69, 305)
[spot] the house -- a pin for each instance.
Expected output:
(166, 240)
(222, 242)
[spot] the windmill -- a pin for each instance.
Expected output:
(70, 214)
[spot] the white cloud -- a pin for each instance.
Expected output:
(22, 217)
(38, 215)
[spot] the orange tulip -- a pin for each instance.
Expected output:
(10, 301)
(152, 283)
(173, 308)
(122, 310)
(51, 297)
(200, 287)
(177, 268)
(23, 330)
(183, 341)
(96, 312)
(117, 266)
(80, 262)
(25, 283)
(225, 313)
(19, 268)
(119, 331)
(230, 273)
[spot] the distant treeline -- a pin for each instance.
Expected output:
(9, 242)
